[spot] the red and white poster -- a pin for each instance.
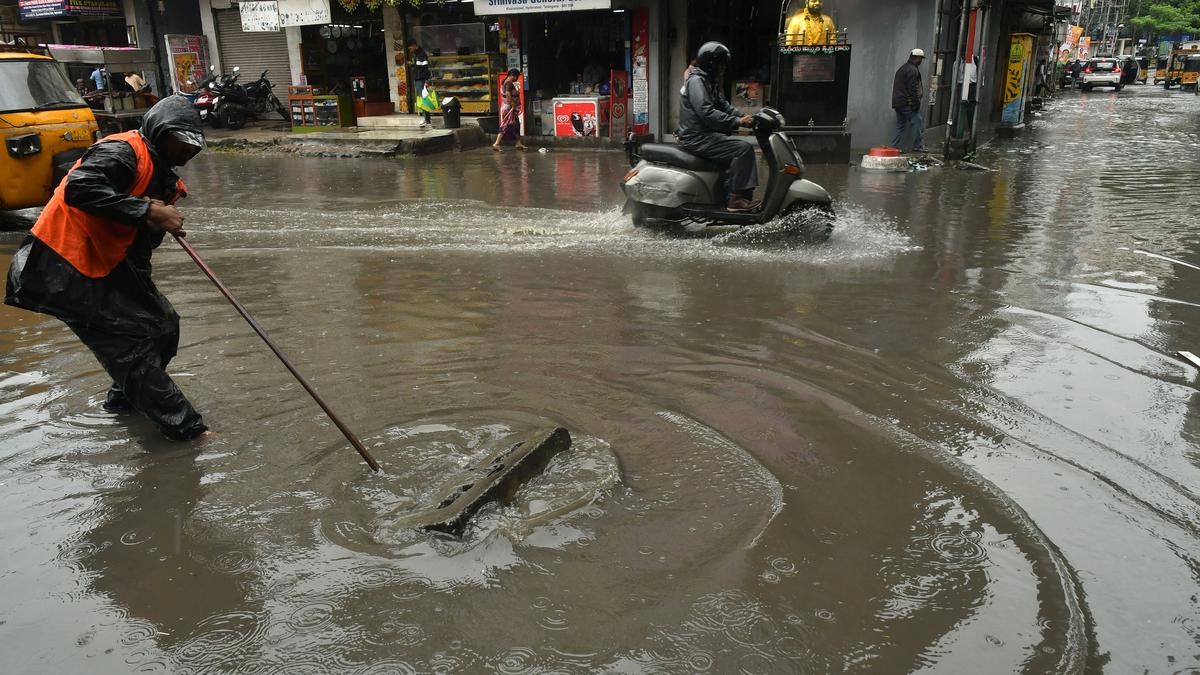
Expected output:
(618, 104)
(580, 117)
(639, 102)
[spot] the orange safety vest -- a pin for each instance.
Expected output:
(95, 245)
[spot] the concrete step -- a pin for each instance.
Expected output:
(397, 121)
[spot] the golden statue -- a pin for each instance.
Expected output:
(810, 26)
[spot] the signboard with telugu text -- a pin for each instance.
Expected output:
(490, 7)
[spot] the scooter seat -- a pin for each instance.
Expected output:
(673, 155)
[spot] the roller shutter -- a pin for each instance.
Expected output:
(254, 52)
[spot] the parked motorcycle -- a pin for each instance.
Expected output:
(263, 100)
(236, 104)
(673, 189)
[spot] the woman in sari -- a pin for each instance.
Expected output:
(510, 112)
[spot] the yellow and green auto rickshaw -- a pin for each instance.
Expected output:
(44, 125)
(1182, 67)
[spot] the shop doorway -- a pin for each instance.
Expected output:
(347, 56)
(749, 29)
(575, 52)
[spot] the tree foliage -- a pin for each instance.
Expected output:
(1169, 17)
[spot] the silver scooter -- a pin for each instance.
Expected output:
(670, 188)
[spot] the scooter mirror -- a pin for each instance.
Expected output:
(190, 83)
(212, 68)
(237, 69)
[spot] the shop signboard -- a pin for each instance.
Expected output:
(260, 17)
(492, 7)
(1016, 80)
(304, 13)
(187, 59)
(47, 9)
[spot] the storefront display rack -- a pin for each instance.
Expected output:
(312, 111)
(470, 78)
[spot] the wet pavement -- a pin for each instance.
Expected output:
(954, 439)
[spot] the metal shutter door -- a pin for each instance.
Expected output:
(254, 52)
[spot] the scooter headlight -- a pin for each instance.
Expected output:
(23, 145)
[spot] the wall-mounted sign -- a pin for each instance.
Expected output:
(813, 68)
(304, 13)
(488, 7)
(48, 9)
(260, 17)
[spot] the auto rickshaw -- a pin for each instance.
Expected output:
(1191, 73)
(1162, 65)
(1182, 67)
(46, 126)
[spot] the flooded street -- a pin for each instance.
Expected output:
(954, 439)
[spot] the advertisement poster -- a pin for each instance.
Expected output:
(44, 9)
(577, 118)
(260, 17)
(618, 104)
(304, 13)
(747, 95)
(1085, 49)
(1016, 79)
(187, 59)
(639, 104)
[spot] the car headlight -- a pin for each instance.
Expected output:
(23, 145)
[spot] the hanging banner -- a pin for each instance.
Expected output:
(47, 9)
(639, 101)
(187, 60)
(260, 17)
(304, 13)
(490, 7)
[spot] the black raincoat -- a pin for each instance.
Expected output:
(706, 120)
(131, 328)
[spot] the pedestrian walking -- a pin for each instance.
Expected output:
(1043, 88)
(87, 262)
(420, 74)
(906, 101)
(510, 112)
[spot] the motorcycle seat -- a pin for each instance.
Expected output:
(673, 155)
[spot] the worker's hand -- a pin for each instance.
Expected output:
(165, 218)
(746, 121)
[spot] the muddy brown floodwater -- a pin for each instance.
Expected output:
(955, 439)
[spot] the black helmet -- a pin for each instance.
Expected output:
(711, 56)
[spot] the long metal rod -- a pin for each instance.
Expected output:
(262, 333)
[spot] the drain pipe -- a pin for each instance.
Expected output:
(956, 91)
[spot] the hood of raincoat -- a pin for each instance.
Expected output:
(173, 113)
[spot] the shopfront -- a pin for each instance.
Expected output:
(348, 55)
(585, 64)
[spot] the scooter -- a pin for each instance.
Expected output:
(672, 189)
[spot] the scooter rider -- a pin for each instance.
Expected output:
(87, 262)
(706, 121)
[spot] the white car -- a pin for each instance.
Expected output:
(1101, 73)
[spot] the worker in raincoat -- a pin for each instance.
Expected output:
(87, 261)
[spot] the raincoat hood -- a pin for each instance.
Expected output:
(173, 113)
